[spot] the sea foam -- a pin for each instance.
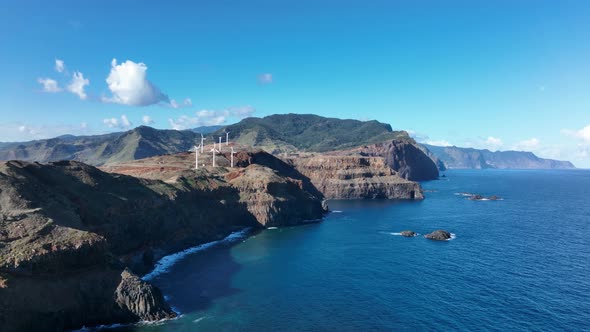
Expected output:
(164, 264)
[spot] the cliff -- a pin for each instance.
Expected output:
(456, 157)
(402, 156)
(354, 177)
(71, 234)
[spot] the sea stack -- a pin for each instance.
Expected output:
(438, 235)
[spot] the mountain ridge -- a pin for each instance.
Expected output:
(454, 157)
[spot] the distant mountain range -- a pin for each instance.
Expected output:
(453, 157)
(275, 133)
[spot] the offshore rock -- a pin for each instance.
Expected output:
(438, 235)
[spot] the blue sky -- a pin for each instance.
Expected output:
(487, 74)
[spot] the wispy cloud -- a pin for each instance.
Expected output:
(49, 85)
(77, 85)
(59, 66)
(187, 102)
(531, 144)
(122, 123)
(147, 120)
(210, 117)
(265, 78)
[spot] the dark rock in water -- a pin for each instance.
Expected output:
(408, 233)
(478, 197)
(141, 300)
(438, 235)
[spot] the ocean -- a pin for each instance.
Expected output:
(517, 264)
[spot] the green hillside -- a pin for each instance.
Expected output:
(291, 132)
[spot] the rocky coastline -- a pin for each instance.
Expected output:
(74, 239)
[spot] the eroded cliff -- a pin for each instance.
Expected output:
(354, 177)
(69, 232)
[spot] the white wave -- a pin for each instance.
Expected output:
(199, 319)
(464, 194)
(164, 264)
(395, 233)
(453, 236)
(272, 228)
(100, 327)
(336, 211)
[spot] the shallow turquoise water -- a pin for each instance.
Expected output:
(517, 264)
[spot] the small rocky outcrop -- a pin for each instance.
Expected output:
(141, 300)
(477, 197)
(408, 233)
(438, 235)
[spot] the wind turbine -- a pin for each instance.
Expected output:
(197, 156)
(232, 156)
(227, 138)
(214, 151)
(202, 139)
(220, 143)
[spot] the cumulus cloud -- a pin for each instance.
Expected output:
(147, 120)
(122, 123)
(59, 66)
(77, 85)
(527, 145)
(49, 85)
(265, 78)
(129, 85)
(210, 117)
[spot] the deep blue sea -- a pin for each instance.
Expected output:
(519, 264)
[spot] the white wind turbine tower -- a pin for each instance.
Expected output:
(197, 155)
(220, 143)
(214, 151)
(227, 138)
(202, 139)
(232, 156)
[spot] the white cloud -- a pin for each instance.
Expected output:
(493, 142)
(49, 85)
(147, 120)
(210, 117)
(265, 78)
(59, 66)
(19, 132)
(438, 142)
(77, 85)
(582, 135)
(527, 145)
(187, 102)
(129, 85)
(242, 112)
(122, 123)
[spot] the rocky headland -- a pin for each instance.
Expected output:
(74, 238)
(354, 177)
